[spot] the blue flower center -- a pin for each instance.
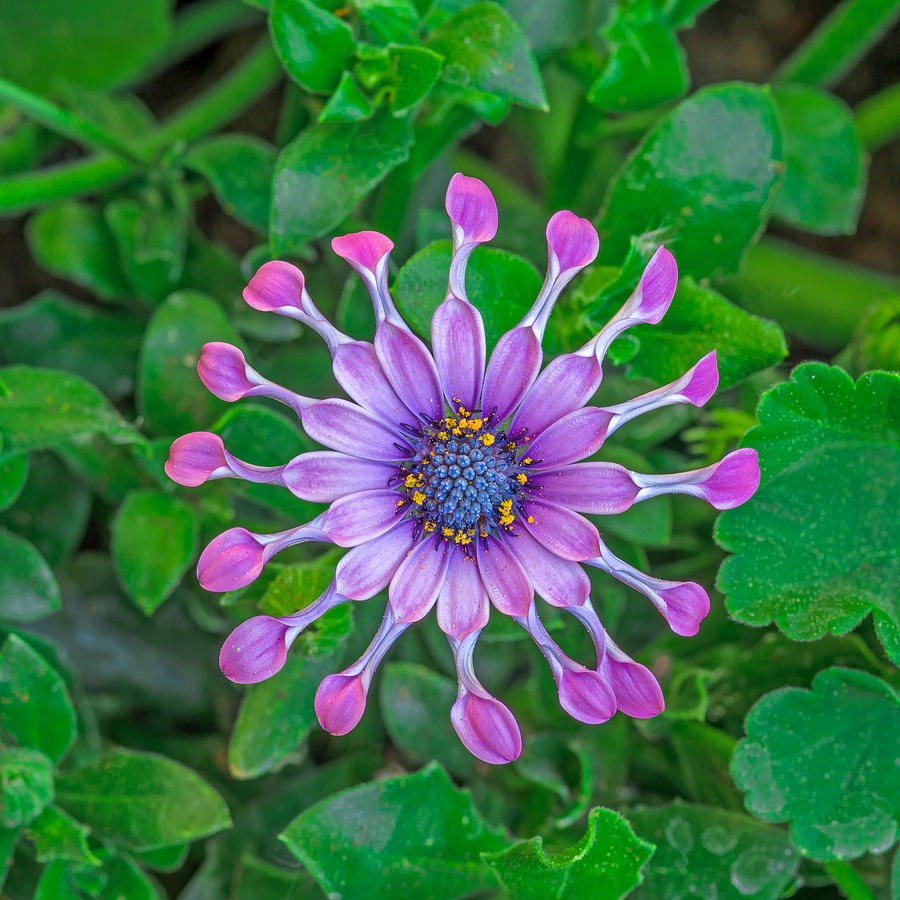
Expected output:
(464, 479)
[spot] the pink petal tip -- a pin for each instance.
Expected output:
(276, 286)
(363, 249)
(734, 480)
(230, 561)
(585, 695)
(572, 240)
(704, 380)
(194, 457)
(223, 370)
(472, 208)
(487, 728)
(657, 286)
(340, 703)
(637, 691)
(255, 650)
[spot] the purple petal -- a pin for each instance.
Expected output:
(700, 382)
(358, 518)
(486, 727)
(276, 287)
(507, 583)
(357, 371)
(323, 476)
(457, 339)
(637, 691)
(575, 436)
(224, 371)
(462, 605)
(472, 209)
(236, 557)
(593, 487)
(572, 241)
(340, 702)
(559, 581)
(410, 369)
(418, 581)
(368, 568)
(726, 484)
(368, 253)
(194, 457)
(566, 384)
(344, 426)
(586, 696)
(562, 531)
(255, 650)
(512, 369)
(656, 288)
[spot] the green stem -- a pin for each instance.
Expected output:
(848, 880)
(63, 122)
(835, 46)
(244, 84)
(878, 118)
(812, 296)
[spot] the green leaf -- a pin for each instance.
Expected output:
(95, 43)
(313, 45)
(171, 397)
(425, 833)
(416, 71)
(56, 835)
(698, 321)
(816, 547)
(647, 67)
(73, 241)
(29, 590)
(410, 699)
(825, 760)
(43, 407)
(35, 709)
(13, 474)
(604, 865)
(126, 881)
(239, 169)
(484, 50)
(55, 883)
(327, 170)
(386, 21)
(703, 181)
(138, 800)
(165, 859)
(822, 192)
(502, 285)
(702, 851)
(259, 880)
(347, 104)
(298, 585)
(52, 511)
(154, 540)
(26, 785)
(277, 714)
(53, 330)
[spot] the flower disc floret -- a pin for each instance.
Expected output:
(456, 480)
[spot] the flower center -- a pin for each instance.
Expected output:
(464, 479)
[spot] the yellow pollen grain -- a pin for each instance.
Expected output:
(506, 520)
(487, 439)
(447, 532)
(419, 497)
(400, 502)
(527, 460)
(429, 526)
(483, 533)
(506, 506)
(442, 435)
(450, 423)
(410, 481)
(475, 424)
(521, 478)
(530, 519)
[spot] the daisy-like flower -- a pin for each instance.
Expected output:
(456, 480)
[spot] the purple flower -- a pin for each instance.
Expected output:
(456, 479)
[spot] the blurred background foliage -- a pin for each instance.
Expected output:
(151, 158)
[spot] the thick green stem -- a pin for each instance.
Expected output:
(878, 118)
(251, 78)
(812, 296)
(62, 121)
(835, 46)
(848, 880)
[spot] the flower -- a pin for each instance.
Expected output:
(456, 480)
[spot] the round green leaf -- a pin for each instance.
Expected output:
(702, 851)
(142, 800)
(28, 591)
(604, 865)
(94, 43)
(35, 710)
(484, 50)
(26, 785)
(154, 540)
(825, 760)
(816, 548)
(171, 397)
(13, 473)
(502, 285)
(703, 181)
(313, 45)
(822, 191)
(412, 836)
